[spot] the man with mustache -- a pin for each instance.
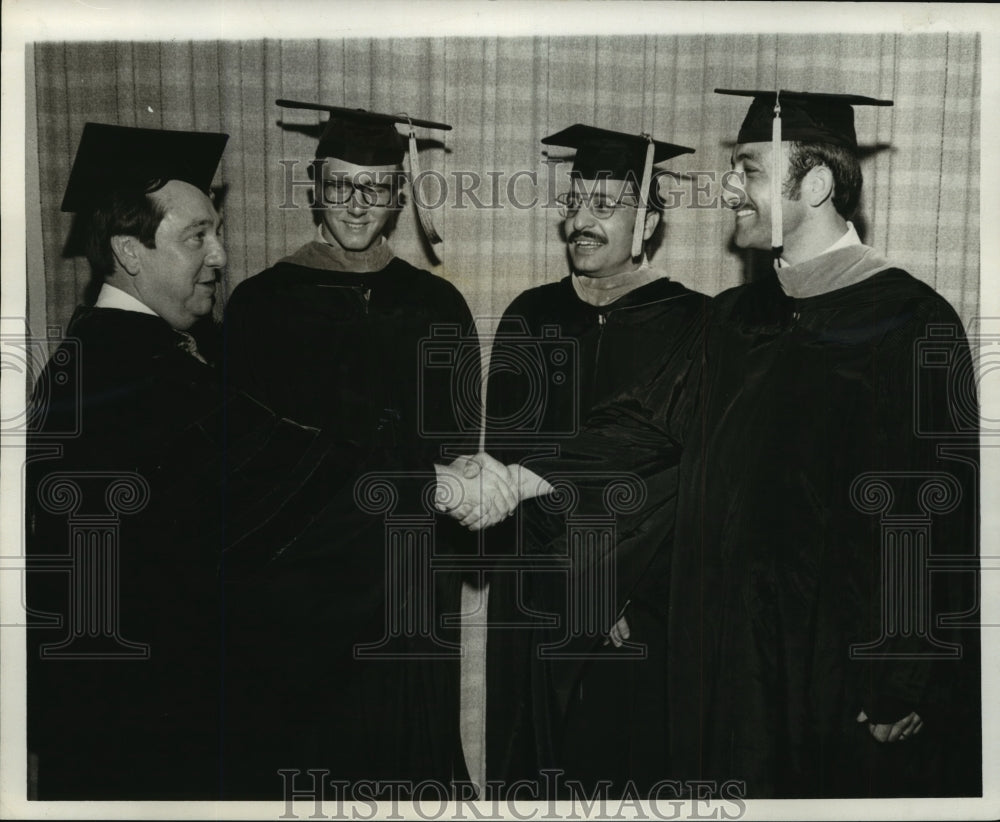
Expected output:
(812, 652)
(595, 710)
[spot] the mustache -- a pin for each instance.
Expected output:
(583, 234)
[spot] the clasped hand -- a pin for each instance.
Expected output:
(909, 725)
(480, 491)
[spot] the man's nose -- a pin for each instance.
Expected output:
(216, 257)
(583, 217)
(357, 204)
(733, 195)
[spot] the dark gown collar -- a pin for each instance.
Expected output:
(137, 330)
(656, 290)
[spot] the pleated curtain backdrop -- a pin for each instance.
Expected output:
(502, 95)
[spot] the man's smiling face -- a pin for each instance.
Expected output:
(177, 277)
(355, 224)
(753, 210)
(601, 247)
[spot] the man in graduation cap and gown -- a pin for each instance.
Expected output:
(594, 709)
(156, 497)
(809, 650)
(144, 478)
(332, 333)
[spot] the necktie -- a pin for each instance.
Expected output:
(188, 344)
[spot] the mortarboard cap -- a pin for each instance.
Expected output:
(367, 138)
(800, 116)
(805, 116)
(364, 138)
(601, 153)
(605, 154)
(115, 157)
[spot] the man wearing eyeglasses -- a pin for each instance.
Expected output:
(330, 334)
(585, 694)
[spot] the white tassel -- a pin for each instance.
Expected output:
(426, 223)
(777, 177)
(640, 216)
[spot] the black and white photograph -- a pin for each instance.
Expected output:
(551, 410)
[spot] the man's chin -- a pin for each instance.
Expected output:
(586, 264)
(589, 268)
(748, 244)
(354, 243)
(202, 310)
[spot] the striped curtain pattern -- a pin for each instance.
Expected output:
(502, 95)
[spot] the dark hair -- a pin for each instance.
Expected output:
(843, 164)
(126, 211)
(654, 199)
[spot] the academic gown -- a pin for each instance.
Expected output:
(135, 444)
(597, 712)
(398, 344)
(777, 567)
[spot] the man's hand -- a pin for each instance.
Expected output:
(478, 491)
(528, 483)
(619, 633)
(906, 727)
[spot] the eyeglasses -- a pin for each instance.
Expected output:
(341, 192)
(600, 205)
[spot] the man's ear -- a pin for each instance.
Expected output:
(125, 249)
(652, 221)
(818, 186)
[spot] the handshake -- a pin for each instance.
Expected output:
(480, 491)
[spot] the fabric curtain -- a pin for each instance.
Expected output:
(920, 204)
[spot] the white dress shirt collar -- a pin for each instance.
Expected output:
(112, 297)
(848, 238)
